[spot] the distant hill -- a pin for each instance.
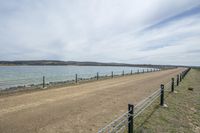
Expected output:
(76, 63)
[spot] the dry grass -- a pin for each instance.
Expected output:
(182, 114)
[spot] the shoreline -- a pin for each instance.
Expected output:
(144, 66)
(58, 84)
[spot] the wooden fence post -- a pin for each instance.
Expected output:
(97, 76)
(43, 84)
(177, 80)
(112, 74)
(162, 95)
(76, 78)
(130, 118)
(172, 87)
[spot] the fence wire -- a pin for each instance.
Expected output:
(139, 108)
(56, 79)
(120, 124)
(168, 86)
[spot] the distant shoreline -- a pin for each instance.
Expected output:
(80, 65)
(74, 63)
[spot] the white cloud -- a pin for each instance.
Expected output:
(95, 30)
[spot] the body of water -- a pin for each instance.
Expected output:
(12, 76)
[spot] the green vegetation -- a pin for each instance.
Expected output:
(182, 114)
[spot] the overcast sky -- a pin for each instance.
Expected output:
(129, 31)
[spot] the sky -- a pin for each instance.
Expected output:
(126, 31)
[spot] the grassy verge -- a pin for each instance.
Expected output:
(182, 114)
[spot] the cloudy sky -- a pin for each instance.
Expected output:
(129, 31)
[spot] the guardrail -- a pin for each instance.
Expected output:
(126, 121)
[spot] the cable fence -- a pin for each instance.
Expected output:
(140, 107)
(48, 81)
(168, 86)
(117, 124)
(124, 123)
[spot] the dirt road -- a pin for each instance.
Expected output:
(82, 108)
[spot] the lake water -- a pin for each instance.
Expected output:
(11, 76)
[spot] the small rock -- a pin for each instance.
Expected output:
(190, 88)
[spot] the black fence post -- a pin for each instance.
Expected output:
(143, 70)
(177, 80)
(43, 84)
(180, 77)
(76, 78)
(112, 74)
(183, 74)
(162, 95)
(97, 76)
(130, 118)
(138, 71)
(131, 72)
(172, 89)
(123, 73)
